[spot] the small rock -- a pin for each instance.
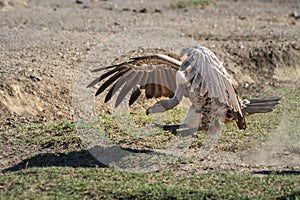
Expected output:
(35, 78)
(295, 15)
(157, 10)
(144, 10)
(242, 17)
(125, 9)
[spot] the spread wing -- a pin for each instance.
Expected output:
(208, 75)
(155, 74)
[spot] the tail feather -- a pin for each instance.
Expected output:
(265, 100)
(259, 105)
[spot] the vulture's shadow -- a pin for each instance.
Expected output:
(74, 159)
(82, 158)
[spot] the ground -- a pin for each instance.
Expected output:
(44, 42)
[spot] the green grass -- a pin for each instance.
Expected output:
(47, 135)
(260, 127)
(189, 3)
(98, 183)
(133, 132)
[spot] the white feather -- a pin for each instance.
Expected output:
(180, 78)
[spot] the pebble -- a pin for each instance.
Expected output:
(295, 15)
(79, 2)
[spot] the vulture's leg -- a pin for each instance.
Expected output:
(187, 132)
(193, 118)
(192, 124)
(218, 114)
(170, 127)
(167, 104)
(174, 129)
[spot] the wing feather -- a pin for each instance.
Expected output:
(215, 81)
(170, 78)
(135, 95)
(155, 74)
(130, 84)
(105, 75)
(118, 84)
(111, 80)
(166, 92)
(149, 87)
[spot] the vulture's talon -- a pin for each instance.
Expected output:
(169, 127)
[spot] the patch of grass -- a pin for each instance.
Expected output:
(189, 3)
(136, 130)
(46, 135)
(99, 183)
(261, 126)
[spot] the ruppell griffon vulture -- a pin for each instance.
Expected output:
(201, 77)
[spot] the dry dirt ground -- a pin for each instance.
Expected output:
(42, 44)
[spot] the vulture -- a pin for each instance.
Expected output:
(195, 73)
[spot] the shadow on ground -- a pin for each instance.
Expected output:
(284, 172)
(82, 158)
(72, 159)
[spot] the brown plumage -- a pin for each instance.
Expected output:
(201, 77)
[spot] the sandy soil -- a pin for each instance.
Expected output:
(42, 44)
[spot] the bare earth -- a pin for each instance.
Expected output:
(42, 44)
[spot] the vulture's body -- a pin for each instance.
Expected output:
(201, 77)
